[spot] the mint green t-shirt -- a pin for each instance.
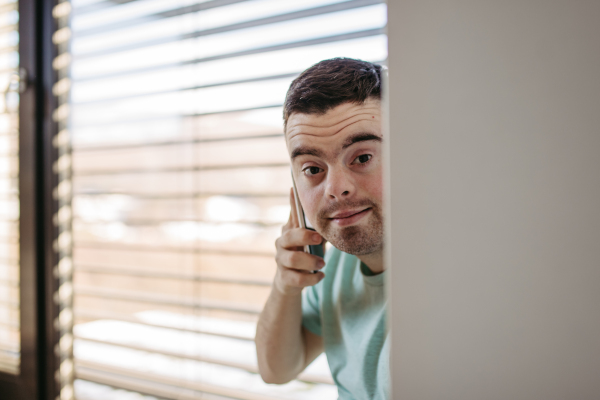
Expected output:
(348, 309)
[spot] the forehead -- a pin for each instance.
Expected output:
(335, 124)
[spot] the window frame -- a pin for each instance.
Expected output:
(37, 233)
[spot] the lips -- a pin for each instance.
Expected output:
(347, 214)
(349, 217)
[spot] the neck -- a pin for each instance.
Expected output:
(374, 261)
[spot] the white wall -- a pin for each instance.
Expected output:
(495, 199)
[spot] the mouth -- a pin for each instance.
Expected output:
(349, 217)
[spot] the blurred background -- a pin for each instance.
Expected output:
(180, 182)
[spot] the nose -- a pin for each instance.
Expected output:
(339, 184)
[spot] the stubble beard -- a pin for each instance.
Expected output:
(357, 240)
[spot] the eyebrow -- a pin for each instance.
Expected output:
(360, 137)
(311, 151)
(306, 151)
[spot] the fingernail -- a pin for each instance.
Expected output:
(321, 263)
(316, 238)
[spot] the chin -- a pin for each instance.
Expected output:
(357, 241)
(360, 239)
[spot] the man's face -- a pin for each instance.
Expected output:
(337, 166)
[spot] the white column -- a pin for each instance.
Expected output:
(494, 210)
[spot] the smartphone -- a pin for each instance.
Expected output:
(314, 249)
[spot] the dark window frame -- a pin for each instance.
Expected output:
(37, 180)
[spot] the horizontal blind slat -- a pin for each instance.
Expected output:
(153, 298)
(159, 221)
(80, 313)
(212, 85)
(176, 249)
(176, 170)
(80, 149)
(141, 19)
(167, 117)
(168, 275)
(95, 6)
(181, 195)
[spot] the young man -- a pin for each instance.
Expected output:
(332, 119)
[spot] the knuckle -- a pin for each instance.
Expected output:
(300, 280)
(287, 277)
(283, 258)
(296, 257)
(285, 237)
(296, 279)
(312, 279)
(278, 259)
(308, 235)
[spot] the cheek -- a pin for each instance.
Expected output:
(372, 184)
(310, 199)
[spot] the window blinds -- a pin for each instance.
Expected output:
(181, 182)
(9, 189)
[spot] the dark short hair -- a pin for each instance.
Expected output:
(330, 83)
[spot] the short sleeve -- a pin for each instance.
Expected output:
(311, 309)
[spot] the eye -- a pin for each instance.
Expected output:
(310, 171)
(363, 158)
